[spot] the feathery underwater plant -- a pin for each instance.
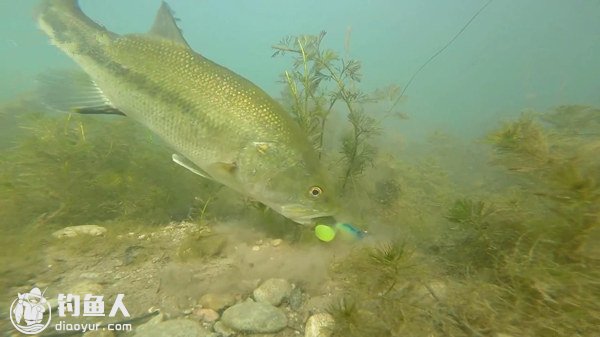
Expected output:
(319, 80)
(530, 258)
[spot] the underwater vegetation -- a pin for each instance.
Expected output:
(321, 80)
(61, 169)
(68, 169)
(520, 261)
(515, 254)
(64, 169)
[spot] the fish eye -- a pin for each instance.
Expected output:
(315, 191)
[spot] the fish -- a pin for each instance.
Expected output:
(219, 124)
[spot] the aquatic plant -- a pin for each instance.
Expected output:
(514, 255)
(307, 103)
(311, 98)
(353, 321)
(68, 169)
(357, 152)
(522, 142)
(527, 251)
(466, 211)
(579, 119)
(382, 289)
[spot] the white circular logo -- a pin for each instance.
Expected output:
(30, 312)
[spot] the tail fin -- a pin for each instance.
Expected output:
(64, 22)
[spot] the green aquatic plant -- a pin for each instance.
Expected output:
(67, 169)
(530, 252)
(320, 79)
(391, 259)
(513, 254)
(353, 321)
(479, 236)
(307, 102)
(357, 152)
(522, 143)
(63, 170)
(466, 211)
(575, 119)
(383, 292)
(387, 264)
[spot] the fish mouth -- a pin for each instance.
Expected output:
(303, 215)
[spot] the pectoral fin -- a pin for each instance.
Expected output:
(181, 160)
(225, 173)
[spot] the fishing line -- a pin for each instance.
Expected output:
(414, 75)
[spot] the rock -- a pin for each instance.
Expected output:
(295, 299)
(172, 328)
(319, 325)
(216, 302)
(206, 315)
(223, 330)
(74, 231)
(254, 317)
(276, 242)
(273, 291)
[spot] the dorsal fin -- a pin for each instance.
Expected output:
(165, 25)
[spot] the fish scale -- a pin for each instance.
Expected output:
(210, 99)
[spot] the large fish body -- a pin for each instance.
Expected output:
(221, 125)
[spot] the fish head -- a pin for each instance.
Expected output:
(303, 199)
(292, 182)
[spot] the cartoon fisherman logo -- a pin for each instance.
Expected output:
(27, 312)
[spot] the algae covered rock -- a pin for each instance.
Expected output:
(254, 317)
(273, 291)
(319, 325)
(75, 231)
(216, 302)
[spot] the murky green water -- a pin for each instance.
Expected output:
(478, 185)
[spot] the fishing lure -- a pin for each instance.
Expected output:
(327, 233)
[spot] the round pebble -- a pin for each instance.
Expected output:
(319, 325)
(254, 317)
(74, 231)
(216, 302)
(273, 291)
(206, 315)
